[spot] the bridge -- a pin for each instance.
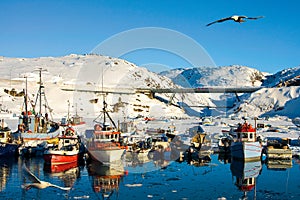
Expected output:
(150, 92)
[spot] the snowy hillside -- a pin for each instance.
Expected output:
(280, 97)
(287, 77)
(93, 73)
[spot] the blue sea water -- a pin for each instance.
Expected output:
(173, 180)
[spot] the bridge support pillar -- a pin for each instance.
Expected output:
(237, 96)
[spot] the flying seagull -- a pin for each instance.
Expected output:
(236, 18)
(37, 183)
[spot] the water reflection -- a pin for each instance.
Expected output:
(279, 164)
(133, 159)
(180, 180)
(6, 164)
(245, 174)
(68, 177)
(224, 158)
(105, 179)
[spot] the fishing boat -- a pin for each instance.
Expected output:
(245, 146)
(35, 128)
(76, 121)
(8, 143)
(224, 143)
(277, 148)
(69, 149)
(105, 145)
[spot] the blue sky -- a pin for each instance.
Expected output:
(57, 28)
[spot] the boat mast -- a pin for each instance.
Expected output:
(68, 118)
(40, 91)
(104, 110)
(39, 96)
(26, 106)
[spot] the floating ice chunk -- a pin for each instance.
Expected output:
(134, 185)
(82, 197)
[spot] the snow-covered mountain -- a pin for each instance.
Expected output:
(90, 73)
(279, 97)
(96, 73)
(234, 75)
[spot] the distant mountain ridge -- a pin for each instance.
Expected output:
(234, 75)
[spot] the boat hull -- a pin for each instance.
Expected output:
(61, 157)
(106, 156)
(246, 151)
(60, 167)
(7, 149)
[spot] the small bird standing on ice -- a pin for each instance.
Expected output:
(236, 18)
(37, 183)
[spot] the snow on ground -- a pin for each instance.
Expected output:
(270, 102)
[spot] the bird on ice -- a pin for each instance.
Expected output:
(37, 183)
(236, 18)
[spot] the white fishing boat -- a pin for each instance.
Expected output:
(245, 146)
(105, 144)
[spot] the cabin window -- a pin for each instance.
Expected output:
(1, 135)
(67, 141)
(245, 135)
(239, 135)
(250, 181)
(251, 136)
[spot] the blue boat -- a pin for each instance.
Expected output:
(8, 143)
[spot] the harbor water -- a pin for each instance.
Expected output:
(160, 179)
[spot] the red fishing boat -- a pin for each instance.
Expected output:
(69, 149)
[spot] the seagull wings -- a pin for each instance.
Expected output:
(235, 18)
(37, 183)
(59, 187)
(220, 20)
(30, 175)
(255, 17)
